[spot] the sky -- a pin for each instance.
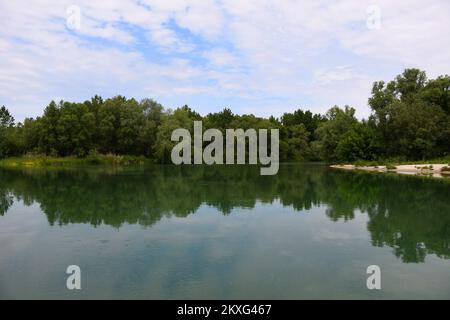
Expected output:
(254, 56)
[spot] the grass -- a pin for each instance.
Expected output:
(47, 161)
(365, 163)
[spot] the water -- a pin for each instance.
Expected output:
(168, 232)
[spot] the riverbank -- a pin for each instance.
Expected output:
(46, 161)
(437, 170)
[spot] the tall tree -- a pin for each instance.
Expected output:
(330, 133)
(6, 119)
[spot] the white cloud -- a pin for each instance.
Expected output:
(339, 73)
(92, 28)
(203, 17)
(168, 40)
(220, 57)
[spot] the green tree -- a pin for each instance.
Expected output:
(48, 134)
(75, 129)
(309, 120)
(330, 133)
(416, 130)
(410, 115)
(6, 119)
(31, 134)
(358, 143)
(437, 92)
(131, 122)
(109, 123)
(153, 114)
(219, 120)
(180, 118)
(11, 143)
(410, 119)
(409, 84)
(294, 145)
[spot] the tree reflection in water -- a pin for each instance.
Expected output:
(411, 215)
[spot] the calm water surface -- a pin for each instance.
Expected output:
(170, 232)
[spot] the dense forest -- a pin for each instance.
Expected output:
(410, 120)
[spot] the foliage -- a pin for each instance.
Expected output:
(410, 121)
(40, 161)
(331, 132)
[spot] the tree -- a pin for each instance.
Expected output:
(6, 119)
(131, 122)
(416, 130)
(410, 115)
(108, 120)
(219, 120)
(330, 133)
(180, 118)
(48, 135)
(75, 129)
(410, 119)
(309, 120)
(359, 143)
(294, 145)
(9, 139)
(31, 134)
(409, 84)
(437, 92)
(153, 114)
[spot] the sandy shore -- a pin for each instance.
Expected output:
(434, 170)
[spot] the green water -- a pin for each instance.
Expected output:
(169, 232)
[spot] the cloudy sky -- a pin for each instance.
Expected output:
(255, 56)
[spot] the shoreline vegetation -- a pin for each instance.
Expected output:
(433, 168)
(409, 122)
(42, 161)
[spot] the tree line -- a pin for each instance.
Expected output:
(410, 120)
